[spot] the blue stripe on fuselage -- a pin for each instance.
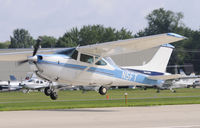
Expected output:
(129, 75)
(146, 72)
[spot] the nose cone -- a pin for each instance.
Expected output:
(32, 58)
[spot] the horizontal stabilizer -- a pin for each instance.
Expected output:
(165, 77)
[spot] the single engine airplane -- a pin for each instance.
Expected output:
(92, 65)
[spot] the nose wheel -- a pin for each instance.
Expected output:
(47, 91)
(102, 90)
(51, 91)
(53, 95)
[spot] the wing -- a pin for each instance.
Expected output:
(130, 45)
(22, 54)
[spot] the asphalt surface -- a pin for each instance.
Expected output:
(174, 116)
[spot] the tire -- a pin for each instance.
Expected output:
(102, 90)
(47, 91)
(53, 95)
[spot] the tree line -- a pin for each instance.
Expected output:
(159, 21)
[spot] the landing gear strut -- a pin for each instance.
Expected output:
(102, 90)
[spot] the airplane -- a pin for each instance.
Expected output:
(10, 85)
(30, 83)
(92, 65)
(33, 83)
(183, 82)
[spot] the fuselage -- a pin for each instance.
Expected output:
(78, 71)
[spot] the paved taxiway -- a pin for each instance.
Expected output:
(174, 116)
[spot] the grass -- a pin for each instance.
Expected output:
(76, 99)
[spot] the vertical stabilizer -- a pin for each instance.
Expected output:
(13, 78)
(159, 61)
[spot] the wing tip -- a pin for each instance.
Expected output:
(176, 35)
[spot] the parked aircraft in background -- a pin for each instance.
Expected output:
(91, 65)
(33, 83)
(10, 85)
(183, 82)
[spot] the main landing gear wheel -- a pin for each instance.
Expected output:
(53, 95)
(47, 91)
(102, 90)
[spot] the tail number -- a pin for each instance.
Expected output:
(127, 75)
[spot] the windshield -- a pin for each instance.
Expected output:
(30, 81)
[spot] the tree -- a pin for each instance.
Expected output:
(48, 41)
(162, 21)
(21, 39)
(4, 44)
(92, 34)
(69, 39)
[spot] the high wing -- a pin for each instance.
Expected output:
(22, 54)
(102, 49)
(130, 45)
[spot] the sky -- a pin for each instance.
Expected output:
(55, 17)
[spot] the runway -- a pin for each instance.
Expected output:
(172, 116)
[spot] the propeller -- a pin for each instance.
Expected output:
(36, 47)
(33, 57)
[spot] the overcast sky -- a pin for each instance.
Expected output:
(55, 17)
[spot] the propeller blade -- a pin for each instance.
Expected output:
(22, 62)
(40, 70)
(36, 47)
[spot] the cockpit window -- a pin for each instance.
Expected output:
(75, 55)
(100, 62)
(30, 81)
(86, 58)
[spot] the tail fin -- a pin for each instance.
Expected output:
(159, 61)
(13, 78)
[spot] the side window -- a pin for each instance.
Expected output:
(86, 58)
(100, 62)
(75, 55)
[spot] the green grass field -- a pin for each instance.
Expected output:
(76, 99)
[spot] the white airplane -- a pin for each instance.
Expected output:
(30, 83)
(183, 82)
(91, 65)
(33, 83)
(10, 85)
